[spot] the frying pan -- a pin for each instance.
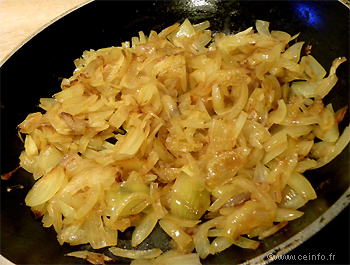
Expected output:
(37, 68)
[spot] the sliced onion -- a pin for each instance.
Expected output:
(136, 254)
(302, 186)
(46, 187)
(263, 27)
(144, 228)
(175, 232)
(285, 214)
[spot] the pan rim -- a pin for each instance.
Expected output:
(279, 250)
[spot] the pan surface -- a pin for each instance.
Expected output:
(36, 69)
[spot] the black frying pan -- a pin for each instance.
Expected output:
(36, 69)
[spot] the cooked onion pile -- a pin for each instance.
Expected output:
(206, 136)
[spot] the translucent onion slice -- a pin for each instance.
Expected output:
(326, 152)
(317, 70)
(144, 228)
(30, 146)
(170, 258)
(136, 254)
(263, 27)
(200, 238)
(46, 187)
(189, 199)
(291, 199)
(302, 186)
(175, 232)
(181, 222)
(293, 52)
(93, 258)
(272, 230)
(223, 242)
(285, 214)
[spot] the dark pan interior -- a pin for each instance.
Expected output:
(36, 69)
